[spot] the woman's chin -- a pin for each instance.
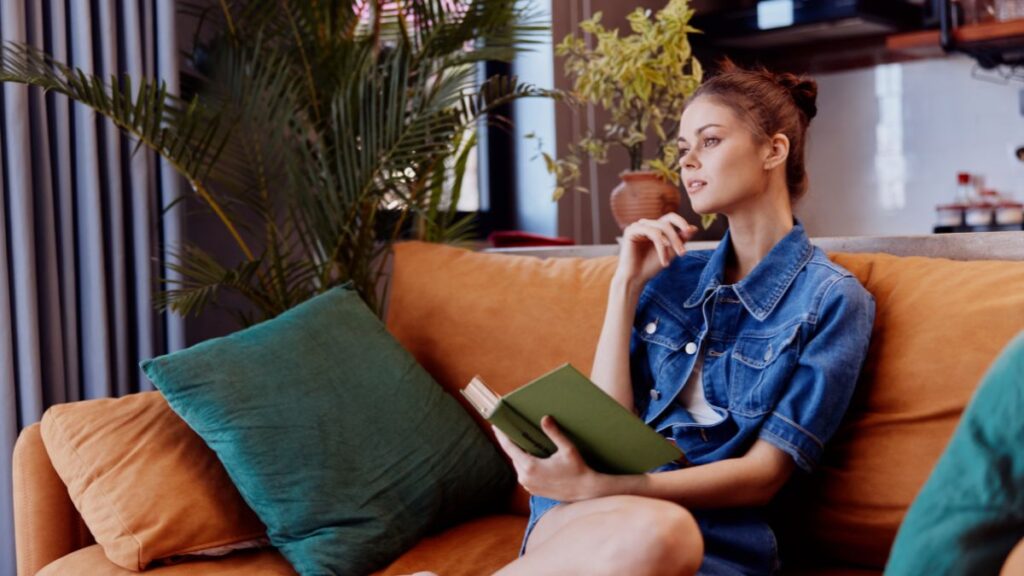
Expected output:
(701, 207)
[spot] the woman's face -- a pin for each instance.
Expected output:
(721, 164)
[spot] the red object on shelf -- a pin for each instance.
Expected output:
(517, 238)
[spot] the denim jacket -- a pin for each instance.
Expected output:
(782, 350)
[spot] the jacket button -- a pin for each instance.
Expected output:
(691, 348)
(650, 328)
(655, 394)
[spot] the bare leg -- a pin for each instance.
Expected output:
(613, 535)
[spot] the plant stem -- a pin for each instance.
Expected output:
(208, 198)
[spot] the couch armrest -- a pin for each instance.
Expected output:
(46, 524)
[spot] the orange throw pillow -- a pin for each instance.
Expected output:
(507, 318)
(147, 486)
(939, 324)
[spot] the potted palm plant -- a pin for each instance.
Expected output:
(642, 79)
(318, 131)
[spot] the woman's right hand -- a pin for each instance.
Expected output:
(648, 246)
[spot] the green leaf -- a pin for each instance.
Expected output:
(549, 163)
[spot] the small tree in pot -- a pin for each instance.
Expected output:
(642, 80)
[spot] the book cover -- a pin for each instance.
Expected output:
(609, 437)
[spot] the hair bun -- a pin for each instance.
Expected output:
(804, 92)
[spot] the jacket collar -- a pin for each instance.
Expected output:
(762, 289)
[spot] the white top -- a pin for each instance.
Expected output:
(692, 396)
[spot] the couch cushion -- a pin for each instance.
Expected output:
(939, 324)
(476, 547)
(829, 572)
(92, 561)
(46, 523)
(124, 462)
(970, 513)
(345, 447)
(507, 318)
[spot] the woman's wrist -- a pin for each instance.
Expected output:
(626, 287)
(616, 484)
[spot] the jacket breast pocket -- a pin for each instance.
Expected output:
(663, 336)
(759, 367)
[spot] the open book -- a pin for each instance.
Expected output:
(609, 437)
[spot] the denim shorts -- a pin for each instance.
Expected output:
(737, 542)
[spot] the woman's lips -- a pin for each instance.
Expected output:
(693, 186)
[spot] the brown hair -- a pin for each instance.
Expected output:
(769, 103)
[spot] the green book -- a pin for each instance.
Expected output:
(609, 437)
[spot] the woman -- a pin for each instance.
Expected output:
(745, 356)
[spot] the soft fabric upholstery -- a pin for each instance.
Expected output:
(823, 571)
(970, 513)
(903, 413)
(92, 561)
(345, 447)
(939, 324)
(125, 462)
(936, 331)
(45, 520)
(507, 318)
(474, 548)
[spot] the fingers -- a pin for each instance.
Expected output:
(522, 461)
(517, 454)
(668, 234)
(687, 230)
(642, 229)
(672, 234)
(562, 442)
(507, 444)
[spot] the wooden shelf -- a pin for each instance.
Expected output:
(985, 36)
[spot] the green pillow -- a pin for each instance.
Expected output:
(970, 512)
(340, 442)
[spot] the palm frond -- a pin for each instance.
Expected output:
(202, 279)
(320, 133)
(186, 134)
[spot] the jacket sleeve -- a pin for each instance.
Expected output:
(826, 373)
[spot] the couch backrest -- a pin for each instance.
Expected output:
(939, 324)
(509, 318)
(968, 246)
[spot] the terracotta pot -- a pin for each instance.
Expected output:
(643, 194)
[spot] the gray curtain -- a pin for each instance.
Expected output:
(81, 222)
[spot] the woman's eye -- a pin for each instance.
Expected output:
(710, 142)
(683, 152)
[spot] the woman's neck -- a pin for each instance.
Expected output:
(753, 236)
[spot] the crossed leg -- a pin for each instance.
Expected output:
(612, 535)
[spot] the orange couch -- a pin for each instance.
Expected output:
(939, 324)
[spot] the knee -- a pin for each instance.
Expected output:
(661, 538)
(676, 545)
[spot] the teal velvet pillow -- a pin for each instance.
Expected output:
(341, 443)
(970, 512)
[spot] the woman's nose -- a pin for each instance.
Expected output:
(688, 161)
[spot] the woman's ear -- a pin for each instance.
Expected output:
(778, 151)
